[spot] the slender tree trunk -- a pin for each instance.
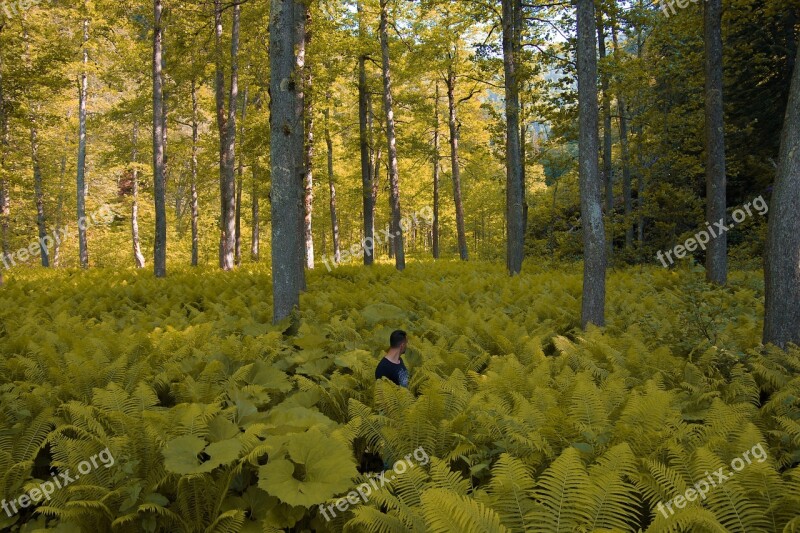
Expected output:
(782, 262)
(222, 118)
(625, 149)
(37, 187)
(229, 171)
(391, 138)
(159, 179)
(456, 168)
(256, 235)
(514, 182)
(308, 198)
(367, 177)
(436, 171)
(138, 258)
(83, 246)
(716, 182)
(287, 62)
(5, 146)
(195, 207)
(594, 241)
(240, 183)
(332, 184)
(608, 174)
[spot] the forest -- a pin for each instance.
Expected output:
(572, 228)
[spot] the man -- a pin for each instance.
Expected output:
(391, 366)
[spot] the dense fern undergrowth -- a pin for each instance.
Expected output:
(220, 421)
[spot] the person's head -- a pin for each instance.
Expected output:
(398, 340)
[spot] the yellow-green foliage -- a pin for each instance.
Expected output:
(220, 421)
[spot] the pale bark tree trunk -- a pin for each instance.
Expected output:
(38, 192)
(159, 179)
(332, 185)
(287, 61)
(308, 197)
(240, 181)
(782, 264)
(594, 239)
(391, 138)
(83, 245)
(229, 159)
(256, 235)
(138, 258)
(195, 206)
(436, 172)
(716, 182)
(454, 164)
(60, 202)
(367, 177)
(515, 198)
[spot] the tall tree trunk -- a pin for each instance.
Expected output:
(195, 207)
(608, 174)
(83, 246)
(240, 183)
(594, 239)
(716, 182)
(60, 202)
(159, 179)
(624, 147)
(515, 197)
(256, 233)
(37, 187)
(782, 263)
(308, 197)
(222, 118)
(332, 185)
(138, 258)
(455, 167)
(287, 61)
(367, 177)
(5, 145)
(391, 138)
(229, 173)
(436, 171)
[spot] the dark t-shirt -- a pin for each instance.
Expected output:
(396, 373)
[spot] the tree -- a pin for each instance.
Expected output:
(5, 144)
(594, 248)
(81, 179)
(716, 181)
(391, 139)
(159, 181)
(365, 133)
(332, 184)
(287, 61)
(138, 258)
(515, 187)
(436, 170)
(308, 193)
(782, 260)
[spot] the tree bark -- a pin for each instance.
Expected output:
(138, 258)
(159, 179)
(436, 171)
(83, 246)
(240, 182)
(716, 182)
(782, 262)
(332, 185)
(39, 194)
(308, 196)
(367, 177)
(594, 241)
(515, 197)
(608, 175)
(60, 202)
(222, 118)
(5, 146)
(455, 167)
(287, 61)
(256, 233)
(391, 138)
(195, 207)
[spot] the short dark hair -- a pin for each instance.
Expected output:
(396, 338)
